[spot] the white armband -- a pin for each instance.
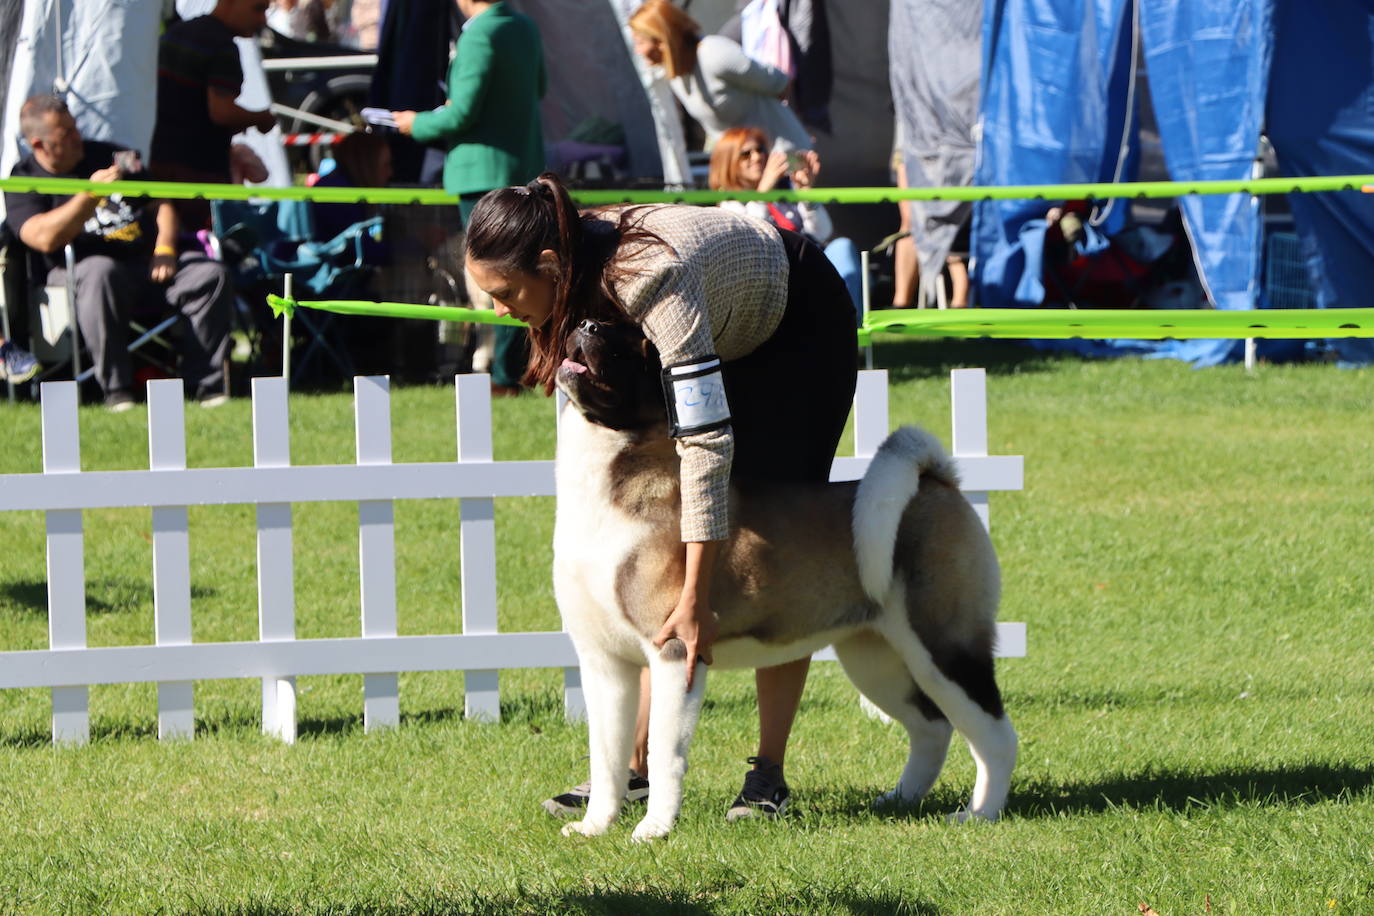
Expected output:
(695, 393)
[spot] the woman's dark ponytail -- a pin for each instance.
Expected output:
(510, 227)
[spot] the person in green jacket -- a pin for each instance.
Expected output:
(491, 130)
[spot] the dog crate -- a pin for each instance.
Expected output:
(1286, 281)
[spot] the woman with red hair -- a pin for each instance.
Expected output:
(741, 161)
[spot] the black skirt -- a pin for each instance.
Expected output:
(789, 399)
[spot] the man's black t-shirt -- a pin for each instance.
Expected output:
(194, 57)
(121, 227)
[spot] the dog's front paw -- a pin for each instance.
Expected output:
(965, 816)
(585, 827)
(650, 828)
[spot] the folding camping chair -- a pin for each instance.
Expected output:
(266, 240)
(55, 338)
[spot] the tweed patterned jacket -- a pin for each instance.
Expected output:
(720, 292)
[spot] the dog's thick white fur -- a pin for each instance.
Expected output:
(909, 602)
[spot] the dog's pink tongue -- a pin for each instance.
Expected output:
(575, 367)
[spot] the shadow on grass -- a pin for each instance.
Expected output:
(106, 595)
(608, 903)
(1279, 787)
(1152, 790)
(907, 358)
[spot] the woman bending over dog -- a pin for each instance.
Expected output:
(708, 288)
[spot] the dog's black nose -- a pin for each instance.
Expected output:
(588, 326)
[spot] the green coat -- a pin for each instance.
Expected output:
(490, 125)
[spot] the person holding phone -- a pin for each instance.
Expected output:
(125, 253)
(741, 161)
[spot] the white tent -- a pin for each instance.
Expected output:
(101, 55)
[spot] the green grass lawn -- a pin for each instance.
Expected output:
(1191, 554)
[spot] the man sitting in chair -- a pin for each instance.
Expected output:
(126, 252)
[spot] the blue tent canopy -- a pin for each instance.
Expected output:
(1058, 106)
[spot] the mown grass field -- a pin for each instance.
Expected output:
(1192, 554)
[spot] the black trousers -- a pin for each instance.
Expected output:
(789, 399)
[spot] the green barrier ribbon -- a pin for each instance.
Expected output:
(1137, 189)
(1017, 324)
(1108, 324)
(283, 306)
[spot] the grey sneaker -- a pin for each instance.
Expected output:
(765, 794)
(574, 801)
(16, 365)
(119, 401)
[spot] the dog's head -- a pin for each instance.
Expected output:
(611, 373)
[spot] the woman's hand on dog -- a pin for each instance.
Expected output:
(693, 622)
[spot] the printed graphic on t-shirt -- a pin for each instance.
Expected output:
(116, 221)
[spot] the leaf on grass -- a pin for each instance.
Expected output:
(1146, 909)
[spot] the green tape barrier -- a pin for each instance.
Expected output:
(283, 306)
(1138, 189)
(1017, 324)
(1112, 324)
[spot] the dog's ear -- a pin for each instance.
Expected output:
(650, 354)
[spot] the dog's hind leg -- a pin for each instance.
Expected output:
(881, 675)
(961, 684)
(611, 687)
(673, 714)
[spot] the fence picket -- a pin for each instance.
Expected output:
(477, 548)
(71, 717)
(969, 419)
(171, 556)
(276, 567)
(871, 424)
(376, 547)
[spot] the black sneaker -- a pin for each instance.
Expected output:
(765, 794)
(574, 801)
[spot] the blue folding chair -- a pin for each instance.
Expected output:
(266, 240)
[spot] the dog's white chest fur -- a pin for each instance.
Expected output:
(590, 536)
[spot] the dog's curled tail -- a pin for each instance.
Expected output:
(887, 488)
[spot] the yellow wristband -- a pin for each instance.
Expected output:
(164, 249)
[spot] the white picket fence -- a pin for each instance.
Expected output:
(168, 487)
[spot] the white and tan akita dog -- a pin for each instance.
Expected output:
(895, 571)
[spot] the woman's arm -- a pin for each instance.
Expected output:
(692, 620)
(725, 60)
(467, 87)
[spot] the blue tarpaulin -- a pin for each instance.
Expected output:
(1321, 122)
(1053, 107)
(1208, 66)
(1057, 80)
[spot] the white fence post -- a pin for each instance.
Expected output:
(870, 412)
(276, 569)
(376, 547)
(477, 550)
(171, 555)
(969, 417)
(71, 717)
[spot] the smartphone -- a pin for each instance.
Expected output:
(128, 161)
(796, 159)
